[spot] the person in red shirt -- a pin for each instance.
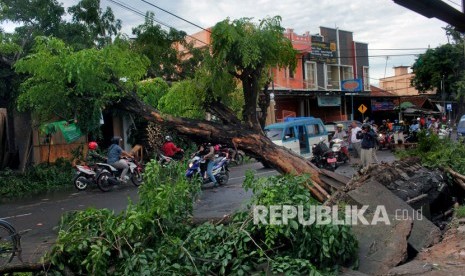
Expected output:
(169, 149)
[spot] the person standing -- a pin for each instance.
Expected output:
(356, 142)
(367, 144)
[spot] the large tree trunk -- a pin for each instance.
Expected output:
(250, 88)
(253, 143)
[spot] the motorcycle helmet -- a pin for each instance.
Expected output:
(92, 145)
(116, 140)
(168, 138)
(340, 125)
(366, 126)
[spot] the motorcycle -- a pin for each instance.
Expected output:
(444, 132)
(233, 155)
(85, 175)
(385, 140)
(109, 175)
(324, 157)
(164, 160)
(220, 169)
(340, 151)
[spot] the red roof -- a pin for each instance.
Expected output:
(378, 92)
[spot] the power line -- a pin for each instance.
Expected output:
(138, 12)
(185, 20)
(198, 26)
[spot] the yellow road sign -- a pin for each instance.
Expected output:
(362, 108)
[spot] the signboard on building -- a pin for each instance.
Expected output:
(329, 101)
(323, 52)
(382, 105)
(354, 85)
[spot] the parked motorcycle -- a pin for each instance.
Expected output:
(85, 175)
(323, 156)
(109, 176)
(220, 170)
(340, 151)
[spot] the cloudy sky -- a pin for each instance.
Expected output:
(393, 33)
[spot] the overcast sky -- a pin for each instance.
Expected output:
(389, 30)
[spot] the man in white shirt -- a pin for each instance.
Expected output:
(356, 143)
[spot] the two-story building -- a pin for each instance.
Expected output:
(314, 88)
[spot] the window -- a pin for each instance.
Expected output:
(274, 134)
(332, 77)
(366, 79)
(347, 72)
(313, 130)
(291, 73)
(289, 134)
(310, 76)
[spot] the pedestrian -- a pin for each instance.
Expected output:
(367, 137)
(355, 142)
(374, 128)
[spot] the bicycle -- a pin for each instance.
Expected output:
(10, 245)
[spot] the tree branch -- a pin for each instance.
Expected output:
(224, 113)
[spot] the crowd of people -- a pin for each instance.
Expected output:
(365, 140)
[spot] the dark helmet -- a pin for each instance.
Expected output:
(366, 126)
(116, 140)
(93, 145)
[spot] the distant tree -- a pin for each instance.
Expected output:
(98, 25)
(157, 44)
(442, 69)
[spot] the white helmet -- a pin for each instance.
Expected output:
(168, 138)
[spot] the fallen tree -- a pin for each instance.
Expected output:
(81, 84)
(240, 135)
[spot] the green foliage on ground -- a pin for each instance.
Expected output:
(156, 236)
(38, 179)
(437, 153)
(460, 211)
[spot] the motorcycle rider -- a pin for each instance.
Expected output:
(92, 157)
(115, 153)
(342, 134)
(171, 150)
(208, 152)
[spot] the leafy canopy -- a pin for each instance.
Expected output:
(77, 84)
(442, 64)
(244, 46)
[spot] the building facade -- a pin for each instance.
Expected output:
(315, 87)
(400, 83)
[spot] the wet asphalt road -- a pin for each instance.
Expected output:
(37, 218)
